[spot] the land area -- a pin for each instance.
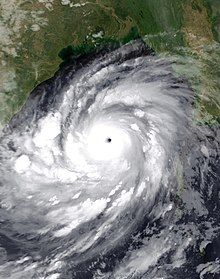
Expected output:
(34, 35)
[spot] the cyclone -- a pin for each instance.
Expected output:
(106, 174)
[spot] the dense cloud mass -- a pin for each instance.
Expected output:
(106, 174)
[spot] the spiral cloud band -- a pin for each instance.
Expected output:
(106, 175)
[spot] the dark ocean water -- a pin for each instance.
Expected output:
(106, 174)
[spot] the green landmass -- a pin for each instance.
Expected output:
(38, 36)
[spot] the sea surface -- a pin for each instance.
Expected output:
(107, 171)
